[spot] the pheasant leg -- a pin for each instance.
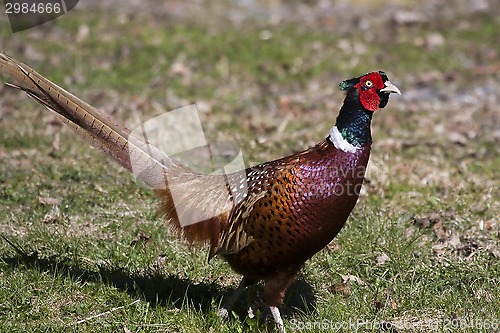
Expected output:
(277, 319)
(229, 303)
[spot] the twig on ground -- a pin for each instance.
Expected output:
(106, 312)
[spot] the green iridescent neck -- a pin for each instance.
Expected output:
(354, 122)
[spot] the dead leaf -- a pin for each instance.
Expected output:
(457, 138)
(333, 246)
(349, 277)
(341, 288)
(100, 189)
(427, 221)
(161, 259)
(439, 249)
(404, 17)
(179, 68)
(382, 258)
(394, 304)
(48, 200)
(434, 40)
(454, 240)
(428, 77)
(440, 231)
(409, 233)
(53, 215)
(82, 33)
(56, 143)
(478, 208)
(488, 225)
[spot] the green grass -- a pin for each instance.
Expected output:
(102, 260)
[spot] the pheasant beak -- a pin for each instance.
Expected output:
(390, 88)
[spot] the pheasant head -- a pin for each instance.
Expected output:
(373, 89)
(364, 95)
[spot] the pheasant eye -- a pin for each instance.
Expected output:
(368, 84)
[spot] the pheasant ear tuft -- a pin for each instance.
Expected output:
(348, 84)
(383, 75)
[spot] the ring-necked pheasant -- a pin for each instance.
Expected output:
(292, 207)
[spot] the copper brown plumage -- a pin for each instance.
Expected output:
(290, 209)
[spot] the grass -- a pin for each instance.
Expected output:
(100, 258)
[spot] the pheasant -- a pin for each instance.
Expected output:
(291, 209)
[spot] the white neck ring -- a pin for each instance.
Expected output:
(340, 143)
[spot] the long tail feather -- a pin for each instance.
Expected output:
(147, 162)
(195, 193)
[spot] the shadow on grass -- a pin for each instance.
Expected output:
(156, 288)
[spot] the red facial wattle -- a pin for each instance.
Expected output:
(367, 89)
